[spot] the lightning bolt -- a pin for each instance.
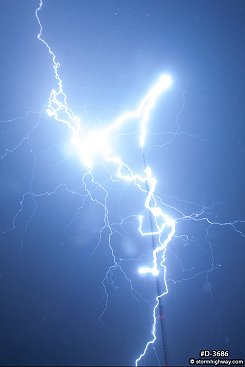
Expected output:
(91, 145)
(97, 147)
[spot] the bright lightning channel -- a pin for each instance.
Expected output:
(97, 143)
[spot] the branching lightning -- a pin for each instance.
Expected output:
(97, 147)
(90, 145)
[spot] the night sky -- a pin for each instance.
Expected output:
(54, 256)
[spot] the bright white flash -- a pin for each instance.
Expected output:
(96, 144)
(93, 144)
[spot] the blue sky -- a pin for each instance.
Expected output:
(52, 264)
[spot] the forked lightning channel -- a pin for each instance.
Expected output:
(96, 147)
